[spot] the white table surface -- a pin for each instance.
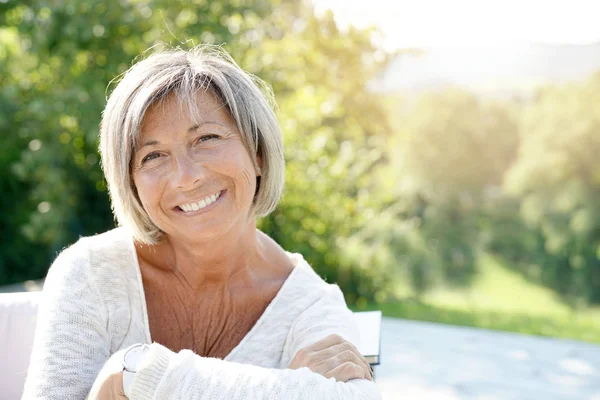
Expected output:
(433, 361)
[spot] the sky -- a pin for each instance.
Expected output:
(456, 23)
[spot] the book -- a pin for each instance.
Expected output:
(369, 326)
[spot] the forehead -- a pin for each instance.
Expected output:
(174, 114)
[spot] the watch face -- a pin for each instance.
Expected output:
(132, 357)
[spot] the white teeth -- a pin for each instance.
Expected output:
(201, 204)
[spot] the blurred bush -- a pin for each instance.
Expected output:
(516, 178)
(448, 155)
(557, 181)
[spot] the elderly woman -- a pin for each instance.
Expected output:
(187, 299)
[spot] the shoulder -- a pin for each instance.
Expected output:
(307, 279)
(91, 259)
(110, 250)
(110, 244)
(311, 296)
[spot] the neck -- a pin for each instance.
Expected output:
(219, 261)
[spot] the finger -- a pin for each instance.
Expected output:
(366, 364)
(332, 356)
(368, 368)
(337, 358)
(338, 348)
(324, 343)
(332, 351)
(345, 372)
(340, 358)
(120, 388)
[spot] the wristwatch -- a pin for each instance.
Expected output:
(131, 360)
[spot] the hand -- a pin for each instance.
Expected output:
(109, 382)
(110, 389)
(333, 357)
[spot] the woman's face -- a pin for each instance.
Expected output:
(195, 181)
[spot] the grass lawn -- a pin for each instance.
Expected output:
(499, 299)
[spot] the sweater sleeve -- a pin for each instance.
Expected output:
(71, 342)
(167, 375)
(327, 316)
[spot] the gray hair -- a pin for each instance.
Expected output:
(184, 73)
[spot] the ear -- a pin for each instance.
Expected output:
(259, 162)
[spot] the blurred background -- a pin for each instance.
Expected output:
(443, 158)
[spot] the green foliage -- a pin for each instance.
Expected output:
(519, 179)
(332, 127)
(447, 155)
(499, 298)
(451, 142)
(557, 180)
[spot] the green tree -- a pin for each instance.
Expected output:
(448, 155)
(557, 179)
(334, 129)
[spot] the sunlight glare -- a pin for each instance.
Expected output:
(438, 23)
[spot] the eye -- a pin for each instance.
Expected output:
(205, 138)
(150, 157)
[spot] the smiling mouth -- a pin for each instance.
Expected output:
(196, 206)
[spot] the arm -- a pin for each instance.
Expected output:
(167, 375)
(71, 343)
(329, 316)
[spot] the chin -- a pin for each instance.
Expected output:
(202, 232)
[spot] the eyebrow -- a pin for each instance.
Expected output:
(191, 129)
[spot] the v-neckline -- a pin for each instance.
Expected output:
(247, 336)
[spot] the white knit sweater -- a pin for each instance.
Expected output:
(94, 305)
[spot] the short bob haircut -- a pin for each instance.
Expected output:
(184, 73)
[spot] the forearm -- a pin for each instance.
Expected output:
(168, 375)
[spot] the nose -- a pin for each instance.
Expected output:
(187, 173)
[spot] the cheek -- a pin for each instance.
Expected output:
(147, 191)
(248, 178)
(246, 173)
(237, 165)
